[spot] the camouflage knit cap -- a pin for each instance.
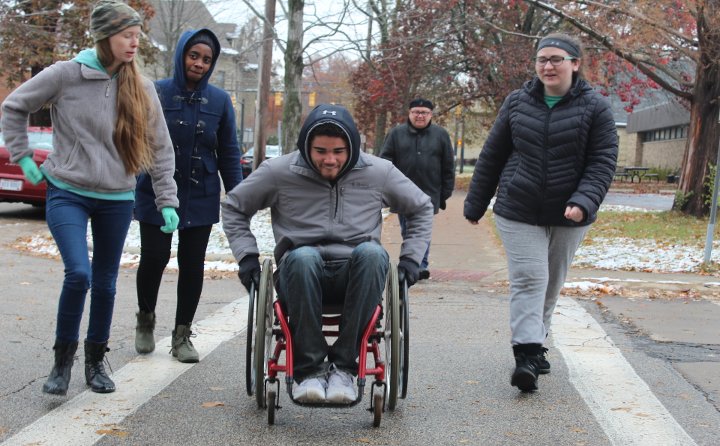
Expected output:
(110, 17)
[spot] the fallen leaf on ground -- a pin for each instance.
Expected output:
(212, 404)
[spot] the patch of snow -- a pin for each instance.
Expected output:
(596, 252)
(641, 255)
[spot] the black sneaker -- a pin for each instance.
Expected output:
(526, 372)
(424, 275)
(543, 364)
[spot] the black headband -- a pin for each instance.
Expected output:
(560, 42)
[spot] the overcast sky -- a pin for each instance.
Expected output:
(355, 25)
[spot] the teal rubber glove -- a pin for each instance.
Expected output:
(171, 220)
(30, 170)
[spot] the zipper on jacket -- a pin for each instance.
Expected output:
(336, 190)
(107, 88)
(545, 158)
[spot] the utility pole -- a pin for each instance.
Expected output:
(261, 116)
(242, 125)
(458, 112)
(713, 211)
(462, 140)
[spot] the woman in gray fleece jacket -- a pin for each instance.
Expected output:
(107, 127)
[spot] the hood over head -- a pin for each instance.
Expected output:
(186, 40)
(336, 115)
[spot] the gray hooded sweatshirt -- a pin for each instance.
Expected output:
(334, 217)
(83, 98)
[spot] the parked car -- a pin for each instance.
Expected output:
(246, 160)
(13, 185)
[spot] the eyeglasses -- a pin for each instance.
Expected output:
(554, 60)
(420, 113)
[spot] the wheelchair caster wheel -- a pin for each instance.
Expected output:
(271, 406)
(377, 408)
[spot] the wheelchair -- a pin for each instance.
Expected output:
(270, 349)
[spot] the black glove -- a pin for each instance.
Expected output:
(443, 204)
(408, 270)
(249, 271)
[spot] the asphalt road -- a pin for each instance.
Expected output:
(660, 202)
(611, 383)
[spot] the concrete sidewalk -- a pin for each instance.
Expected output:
(459, 250)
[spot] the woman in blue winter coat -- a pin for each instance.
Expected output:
(551, 157)
(201, 122)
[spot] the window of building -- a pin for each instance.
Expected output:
(665, 134)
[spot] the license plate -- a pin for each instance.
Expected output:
(14, 185)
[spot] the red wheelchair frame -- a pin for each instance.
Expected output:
(263, 359)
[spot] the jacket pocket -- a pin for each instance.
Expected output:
(211, 178)
(356, 202)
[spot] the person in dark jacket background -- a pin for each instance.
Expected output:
(423, 152)
(551, 155)
(201, 121)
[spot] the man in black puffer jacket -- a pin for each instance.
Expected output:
(551, 156)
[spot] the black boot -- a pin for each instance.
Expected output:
(527, 364)
(57, 382)
(95, 375)
(543, 363)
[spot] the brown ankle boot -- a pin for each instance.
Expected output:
(144, 337)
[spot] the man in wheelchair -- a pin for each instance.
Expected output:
(326, 200)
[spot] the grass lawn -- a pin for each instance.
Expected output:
(665, 226)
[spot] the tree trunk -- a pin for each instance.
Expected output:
(263, 93)
(292, 106)
(702, 145)
(380, 127)
(49, 23)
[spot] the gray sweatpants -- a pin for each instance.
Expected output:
(538, 260)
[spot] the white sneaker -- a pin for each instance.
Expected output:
(341, 387)
(311, 390)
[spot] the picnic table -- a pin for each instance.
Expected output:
(639, 172)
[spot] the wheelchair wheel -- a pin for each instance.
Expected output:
(392, 336)
(249, 367)
(263, 331)
(405, 330)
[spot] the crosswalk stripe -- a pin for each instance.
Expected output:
(620, 400)
(89, 416)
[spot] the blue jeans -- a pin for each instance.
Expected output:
(305, 282)
(403, 229)
(67, 216)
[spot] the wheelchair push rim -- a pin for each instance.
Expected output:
(249, 346)
(392, 337)
(263, 334)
